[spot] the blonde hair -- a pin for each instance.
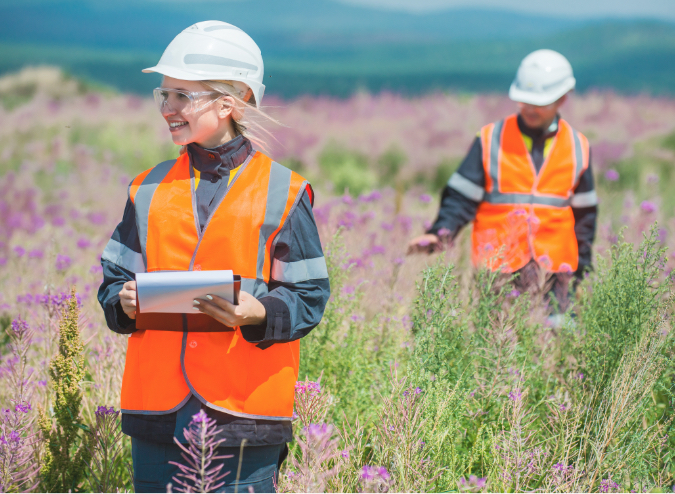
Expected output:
(247, 119)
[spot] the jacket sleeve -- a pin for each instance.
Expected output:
(299, 286)
(584, 204)
(120, 260)
(462, 194)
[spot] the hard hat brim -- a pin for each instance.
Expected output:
(540, 99)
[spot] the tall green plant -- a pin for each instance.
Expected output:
(440, 334)
(313, 357)
(67, 453)
(628, 295)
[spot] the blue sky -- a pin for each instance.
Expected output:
(664, 9)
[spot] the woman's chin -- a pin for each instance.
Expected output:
(181, 141)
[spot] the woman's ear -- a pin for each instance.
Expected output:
(225, 106)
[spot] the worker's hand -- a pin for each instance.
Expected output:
(128, 299)
(249, 312)
(427, 243)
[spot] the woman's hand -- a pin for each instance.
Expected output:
(427, 243)
(128, 299)
(249, 312)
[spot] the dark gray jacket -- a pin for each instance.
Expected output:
(293, 309)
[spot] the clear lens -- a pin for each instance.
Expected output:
(174, 100)
(185, 102)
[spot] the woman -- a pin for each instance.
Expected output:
(220, 205)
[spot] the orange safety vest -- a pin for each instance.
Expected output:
(524, 214)
(221, 368)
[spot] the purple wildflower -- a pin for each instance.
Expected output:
(308, 387)
(418, 391)
(103, 411)
(22, 407)
(612, 175)
(345, 454)
(648, 207)
(608, 485)
(35, 254)
(545, 260)
(370, 473)
(425, 198)
(96, 218)
(514, 294)
(63, 262)
(83, 243)
(200, 417)
(19, 251)
(515, 395)
(473, 484)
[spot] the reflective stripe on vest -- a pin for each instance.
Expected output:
(221, 368)
(526, 214)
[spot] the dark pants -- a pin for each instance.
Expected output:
(152, 470)
(555, 286)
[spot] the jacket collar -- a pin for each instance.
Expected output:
(539, 134)
(221, 159)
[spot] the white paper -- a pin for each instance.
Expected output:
(174, 291)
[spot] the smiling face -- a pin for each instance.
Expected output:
(540, 117)
(209, 126)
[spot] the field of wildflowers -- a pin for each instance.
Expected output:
(424, 375)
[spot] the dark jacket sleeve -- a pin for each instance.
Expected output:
(299, 286)
(585, 208)
(120, 260)
(462, 195)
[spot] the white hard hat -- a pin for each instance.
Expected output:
(214, 51)
(543, 77)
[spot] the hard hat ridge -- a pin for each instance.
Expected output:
(214, 51)
(544, 76)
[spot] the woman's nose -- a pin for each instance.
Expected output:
(167, 111)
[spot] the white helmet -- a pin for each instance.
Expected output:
(543, 77)
(214, 51)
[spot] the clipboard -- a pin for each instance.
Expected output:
(190, 321)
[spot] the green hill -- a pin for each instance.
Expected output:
(354, 52)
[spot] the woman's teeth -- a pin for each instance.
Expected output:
(175, 125)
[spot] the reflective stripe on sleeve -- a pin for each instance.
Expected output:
(466, 187)
(584, 199)
(123, 256)
(298, 271)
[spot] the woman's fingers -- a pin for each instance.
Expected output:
(215, 311)
(222, 303)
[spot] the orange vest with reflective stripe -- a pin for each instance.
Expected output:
(524, 214)
(221, 368)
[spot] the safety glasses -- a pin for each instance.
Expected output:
(184, 102)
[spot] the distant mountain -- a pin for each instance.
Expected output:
(148, 24)
(325, 47)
